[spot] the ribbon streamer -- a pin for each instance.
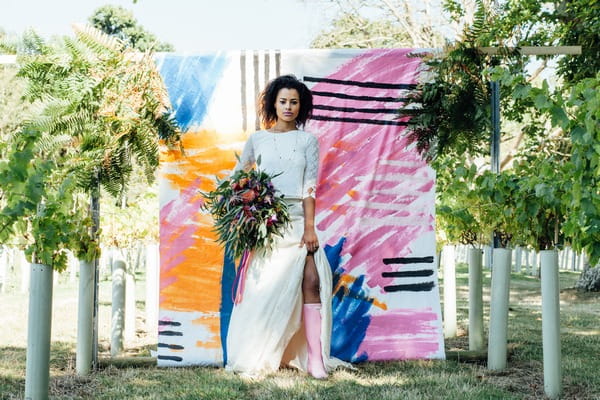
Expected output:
(240, 278)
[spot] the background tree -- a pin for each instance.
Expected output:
(546, 195)
(391, 23)
(101, 111)
(120, 22)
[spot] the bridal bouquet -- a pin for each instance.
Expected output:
(248, 214)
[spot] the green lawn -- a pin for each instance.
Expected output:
(523, 379)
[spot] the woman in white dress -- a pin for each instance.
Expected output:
(284, 317)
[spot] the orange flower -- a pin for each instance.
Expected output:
(248, 196)
(243, 182)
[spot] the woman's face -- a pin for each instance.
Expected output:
(287, 105)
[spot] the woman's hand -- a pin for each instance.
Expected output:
(310, 239)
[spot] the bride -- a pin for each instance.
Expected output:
(284, 317)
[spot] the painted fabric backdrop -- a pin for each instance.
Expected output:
(375, 201)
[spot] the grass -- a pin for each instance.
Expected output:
(523, 379)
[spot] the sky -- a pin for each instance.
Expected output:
(190, 25)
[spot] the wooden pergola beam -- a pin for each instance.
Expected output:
(537, 50)
(8, 59)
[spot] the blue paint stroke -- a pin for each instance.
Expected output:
(351, 307)
(333, 254)
(226, 300)
(191, 82)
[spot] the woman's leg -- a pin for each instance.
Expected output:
(312, 318)
(310, 283)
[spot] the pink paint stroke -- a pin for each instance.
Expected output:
(366, 164)
(402, 333)
(177, 227)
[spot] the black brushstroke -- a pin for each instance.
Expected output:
(171, 358)
(374, 85)
(171, 346)
(356, 110)
(407, 274)
(267, 67)
(415, 287)
(171, 323)
(243, 91)
(170, 333)
(408, 260)
(358, 120)
(361, 98)
(256, 88)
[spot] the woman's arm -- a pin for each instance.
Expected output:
(309, 188)
(310, 235)
(247, 159)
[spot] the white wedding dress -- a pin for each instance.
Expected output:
(265, 329)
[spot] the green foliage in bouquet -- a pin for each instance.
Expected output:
(247, 210)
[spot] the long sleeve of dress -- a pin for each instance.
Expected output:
(247, 158)
(311, 169)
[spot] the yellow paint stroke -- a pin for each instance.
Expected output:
(346, 281)
(213, 324)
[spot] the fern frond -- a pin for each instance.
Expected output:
(98, 41)
(51, 144)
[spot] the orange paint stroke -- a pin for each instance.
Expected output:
(206, 154)
(199, 267)
(346, 281)
(213, 324)
(198, 275)
(345, 144)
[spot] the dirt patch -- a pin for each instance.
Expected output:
(526, 379)
(72, 386)
(573, 295)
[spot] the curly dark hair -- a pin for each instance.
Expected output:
(267, 99)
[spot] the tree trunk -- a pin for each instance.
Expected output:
(589, 280)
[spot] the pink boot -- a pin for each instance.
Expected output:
(312, 329)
